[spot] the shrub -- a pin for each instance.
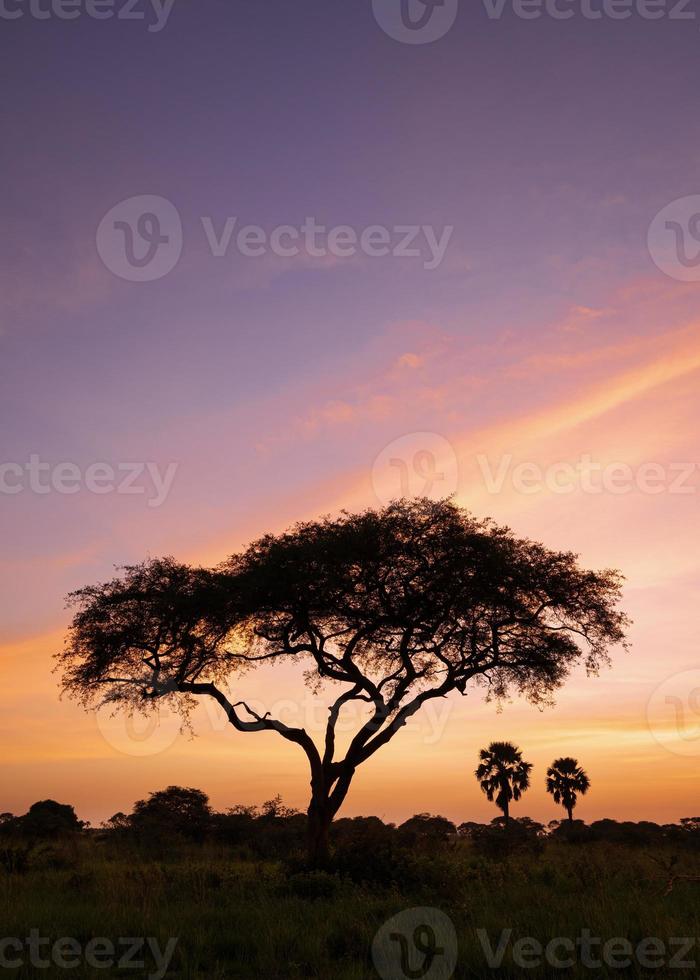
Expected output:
(313, 885)
(498, 841)
(50, 819)
(425, 830)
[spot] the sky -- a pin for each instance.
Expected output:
(265, 261)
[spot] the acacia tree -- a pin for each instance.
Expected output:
(388, 608)
(503, 775)
(565, 780)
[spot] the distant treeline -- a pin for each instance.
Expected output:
(179, 814)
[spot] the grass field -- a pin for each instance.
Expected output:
(244, 918)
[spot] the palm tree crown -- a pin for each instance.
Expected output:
(565, 780)
(502, 774)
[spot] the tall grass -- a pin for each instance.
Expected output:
(246, 918)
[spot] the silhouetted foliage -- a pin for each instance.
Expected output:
(502, 838)
(14, 858)
(573, 831)
(236, 826)
(626, 832)
(361, 832)
(118, 823)
(424, 831)
(368, 851)
(503, 775)
(397, 606)
(691, 825)
(423, 852)
(272, 830)
(565, 781)
(173, 812)
(44, 820)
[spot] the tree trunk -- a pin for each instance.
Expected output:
(570, 811)
(506, 814)
(328, 790)
(319, 822)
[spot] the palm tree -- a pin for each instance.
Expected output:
(503, 775)
(565, 780)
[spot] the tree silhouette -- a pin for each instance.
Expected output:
(503, 775)
(44, 819)
(384, 610)
(176, 811)
(565, 780)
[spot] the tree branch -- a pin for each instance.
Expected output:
(259, 724)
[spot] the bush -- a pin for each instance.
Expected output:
(14, 859)
(574, 832)
(426, 831)
(498, 841)
(47, 820)
(313, 885)
(175, 812)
